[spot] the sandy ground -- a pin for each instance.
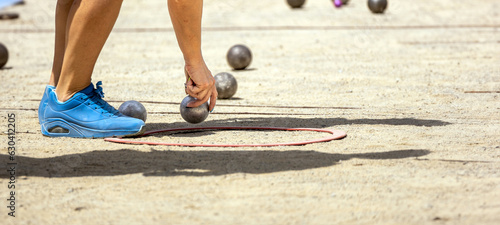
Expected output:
(419, 86)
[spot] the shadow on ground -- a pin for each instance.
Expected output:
(187, 163)
(293, 122)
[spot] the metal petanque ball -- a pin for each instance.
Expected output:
(226, 85)
(377, 6)
(296, 3)
(193, 115)
(133, 109)
(4, 55)
(239, 57)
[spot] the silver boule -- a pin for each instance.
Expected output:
(226, 85)
(134, 109)
(193, 115)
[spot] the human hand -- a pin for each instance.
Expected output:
(200, 84)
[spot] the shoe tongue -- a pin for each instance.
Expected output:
(88, 90)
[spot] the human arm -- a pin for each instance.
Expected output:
(186, 20)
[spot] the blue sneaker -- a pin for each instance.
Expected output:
(44, 101)
(86, 115)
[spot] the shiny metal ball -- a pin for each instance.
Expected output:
(295, 3)
(134, 109)
(4, 55)
(239, 57)
(377, 6)
(226, 85)
(193, 115)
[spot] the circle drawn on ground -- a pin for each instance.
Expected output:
(335, 135)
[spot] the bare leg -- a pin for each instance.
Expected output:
(88, 25)
(62, 11)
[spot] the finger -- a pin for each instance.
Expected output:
(195, 104)
(202, 96)
(190, 86)
(199, 101)
(189, 82)
(186, 74)
(188, 78)
(198, 91)
(213, 99)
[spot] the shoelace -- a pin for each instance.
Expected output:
(99, 104)
(99, 92)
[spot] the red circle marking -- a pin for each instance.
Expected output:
(335, 134)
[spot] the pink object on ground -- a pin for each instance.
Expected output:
(336, 134)
(337, 3)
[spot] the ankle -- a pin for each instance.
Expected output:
(63, 96)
